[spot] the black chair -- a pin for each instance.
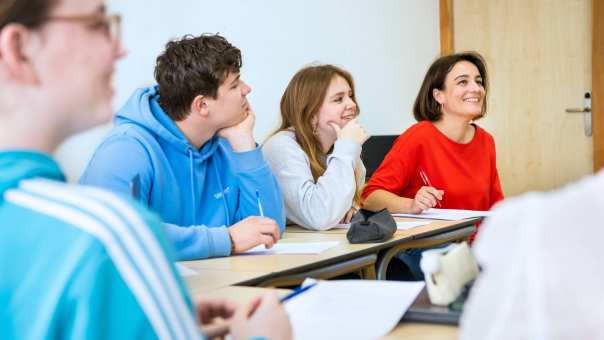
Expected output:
(374, 151)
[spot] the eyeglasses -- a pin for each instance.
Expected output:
(110, 25)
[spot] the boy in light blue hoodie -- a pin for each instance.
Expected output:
(186, 149)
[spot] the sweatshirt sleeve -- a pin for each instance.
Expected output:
(198, 242)
(496, 192)
(257, 186)
(99, 303)
(115, 164)
(100, 293)
(314, 205)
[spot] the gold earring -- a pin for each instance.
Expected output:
(314, 128)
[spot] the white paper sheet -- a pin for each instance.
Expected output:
(293, 248)
(350, 309)
(447, 214)
(403, 225)
(184, 270)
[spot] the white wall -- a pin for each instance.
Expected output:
(385, 44)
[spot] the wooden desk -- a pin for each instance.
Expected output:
(435, 233)
(284, 270)
(281, 270)
(415, 331)
(239, 294)
(211, 279)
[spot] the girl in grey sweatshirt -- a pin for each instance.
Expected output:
(315, 154)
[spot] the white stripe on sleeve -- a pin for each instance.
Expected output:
(160, 276)
(92, 226)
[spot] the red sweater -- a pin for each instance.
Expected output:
(466, 172)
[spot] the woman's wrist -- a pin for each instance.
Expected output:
(404, 205)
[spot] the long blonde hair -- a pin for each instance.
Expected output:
(300, 103)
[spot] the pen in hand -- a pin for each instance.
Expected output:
(427, 183)
(259, 204)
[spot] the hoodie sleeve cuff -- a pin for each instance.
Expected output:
(220, 242)
(248, 160)
(198, 242)
(346, 149)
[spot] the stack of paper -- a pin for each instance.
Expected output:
(447, 214)
(293, 248)
(350, 309)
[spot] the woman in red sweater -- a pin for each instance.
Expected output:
(456, 156)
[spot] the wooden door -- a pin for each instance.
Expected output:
(538, 54)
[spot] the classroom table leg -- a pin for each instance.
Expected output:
(368, 273)
(386, 256)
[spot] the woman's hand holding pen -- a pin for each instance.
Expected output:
(426, 198)
(253, 231)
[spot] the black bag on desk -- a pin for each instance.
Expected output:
(368, 226)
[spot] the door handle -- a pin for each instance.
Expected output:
(578, 110)
(586, 111)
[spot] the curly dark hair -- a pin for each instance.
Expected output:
(193, 66)
(425, 106)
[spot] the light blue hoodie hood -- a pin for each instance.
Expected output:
(143, 110)
(146, 155)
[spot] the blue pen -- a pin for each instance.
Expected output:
(297, 291)
(259, 204)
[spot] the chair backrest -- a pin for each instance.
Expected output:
(374, 151)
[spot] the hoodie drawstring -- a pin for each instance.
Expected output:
(192, 178)
(224, 202)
